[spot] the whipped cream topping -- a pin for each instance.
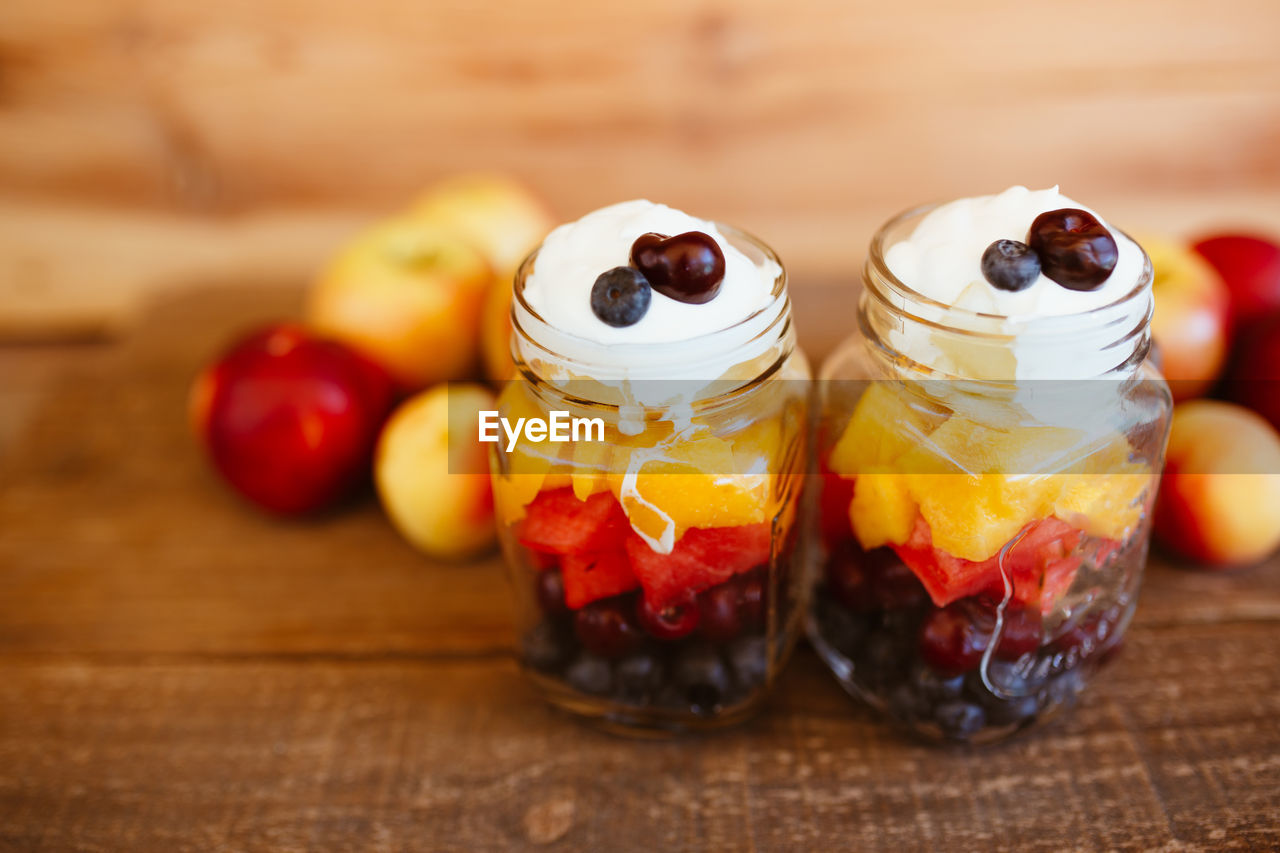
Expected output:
(941, 260)
(696, 341)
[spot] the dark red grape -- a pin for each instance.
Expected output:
(549, 589)
(1010, 265)
(720, 614)
(688, 267)
(606, 628)
(751, 599)
(1075, 249)
(951, 642)
(669, 623)
(621, 296)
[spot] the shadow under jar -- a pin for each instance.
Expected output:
(980, 542)
(656, 575)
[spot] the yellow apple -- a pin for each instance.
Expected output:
(498, 215)
(503, 219)
(1219, 499)
(432, 472)
(409, 295)
(1190, 320)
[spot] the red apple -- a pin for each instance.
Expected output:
(290, 419)
(1219, 501)
(1250, 265)
(1253, 379)
(1190, 320)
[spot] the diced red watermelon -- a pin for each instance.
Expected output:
(1041, 566)
(701, 558)
(557, 522)
(592, 575)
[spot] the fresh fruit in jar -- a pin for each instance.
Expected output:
(594, 575)
(432, 473)
(1191, 317)
(1250, 266)
(557, 522)
(607, 628)
(289, 419)
(1040, 564)
(1219, 501)
(408, 294)
(871, 580)
(1075, 249)
(698, 483)
(1253, 376)
(700, 559)
(671, 622)
(1010, 265)
(620, 297)
(688, 267)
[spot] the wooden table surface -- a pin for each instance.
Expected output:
(178, 672)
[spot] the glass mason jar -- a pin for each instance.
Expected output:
(980, 542)
(653, 570)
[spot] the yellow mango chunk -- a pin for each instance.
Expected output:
(976, 485)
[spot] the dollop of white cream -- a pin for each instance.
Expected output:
(942, 260)
(575, 254)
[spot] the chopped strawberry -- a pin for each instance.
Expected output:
(592, 575)
(701, 558)
(557, 522)
(1041, 565)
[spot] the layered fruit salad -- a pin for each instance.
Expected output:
(984, 503)
(651, 561)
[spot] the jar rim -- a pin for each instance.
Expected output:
(1044, 326)
(648, 360)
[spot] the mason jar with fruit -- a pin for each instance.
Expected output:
(988, 449)
(653, 551)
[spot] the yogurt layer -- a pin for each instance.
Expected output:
(941, 260)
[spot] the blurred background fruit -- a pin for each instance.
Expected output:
(504, 220)
(290, 419)
(1190, 320)
(432, 472)
(1253, 378)
(408, 293)
(498, 215)
(1250, 265)
(1219, 501)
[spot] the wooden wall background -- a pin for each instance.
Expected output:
(147, 144)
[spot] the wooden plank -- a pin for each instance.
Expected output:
(1175, 746)
(118, 539)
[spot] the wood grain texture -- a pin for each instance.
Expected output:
(178, 673)
(808, 122)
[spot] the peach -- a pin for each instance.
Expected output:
(408, 294)
(505, 221)
(1191, 317)
(1219, 500)
(432, 472)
